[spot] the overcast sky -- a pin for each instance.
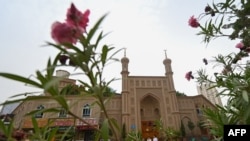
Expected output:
(145, 27)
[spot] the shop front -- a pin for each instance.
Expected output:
(65, 126)
(85, 129)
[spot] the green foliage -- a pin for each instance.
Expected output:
(104, 131)
(180, 94)
(171, 133)
(6, 131)
(43, 134)
(167, 133)
(201, 124)
(134, 136)
(230, 14)
(228, 18)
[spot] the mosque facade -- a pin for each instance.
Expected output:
(142, 101)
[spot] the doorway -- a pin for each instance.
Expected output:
(149, 112)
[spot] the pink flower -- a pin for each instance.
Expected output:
(189, 75)
(193, 22)
(240, 45)
(65, 33)
(77, 18)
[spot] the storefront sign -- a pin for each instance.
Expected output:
(89, 124)
(90, 121)
(62, 122)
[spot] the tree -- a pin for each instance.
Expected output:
(180, 94)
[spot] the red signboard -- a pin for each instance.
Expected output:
(87, 124)
(62, 122)
(86, 127)
(90, 121)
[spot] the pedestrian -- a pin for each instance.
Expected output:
(155, 138)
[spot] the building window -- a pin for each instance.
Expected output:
(86, 110)
(62, 113)
(199, 111)
(157, 112)
(39, 113)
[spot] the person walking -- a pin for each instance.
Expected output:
(155, 138)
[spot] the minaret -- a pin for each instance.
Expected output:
(167, 63)
(171, 90)
(124, 62)
(125, 92)
(169, 72)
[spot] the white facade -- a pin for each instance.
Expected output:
(210, 93)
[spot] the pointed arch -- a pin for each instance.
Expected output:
(149, 113)
(149, 107)
(150, 94)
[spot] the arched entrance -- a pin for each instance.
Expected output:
(150, 112)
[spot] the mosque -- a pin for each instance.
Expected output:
(142, 101)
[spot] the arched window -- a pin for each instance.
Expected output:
(86, 111)
(62, 113)
(156, 111)
(39, 113)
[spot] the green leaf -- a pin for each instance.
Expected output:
(41, 77)
(105, 130)
(104, 54)
(51, 67)
(94, 29)
(221, 22)
(59, 47)
(20, 79)
(69, 131)
(245, 95)
(99, 38)
(86, 85)
(114, 122)
(35, 126)
(52, 134)
(6, 129)
(52, 83)
(112, 55)
(62, 101)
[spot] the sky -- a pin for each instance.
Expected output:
(144, 27)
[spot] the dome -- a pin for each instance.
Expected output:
(124, 60)
(166, 61)
(62, 73)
